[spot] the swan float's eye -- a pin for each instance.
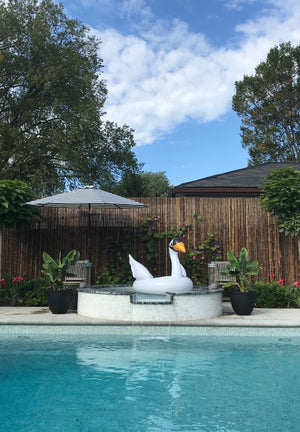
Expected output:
(177, 245)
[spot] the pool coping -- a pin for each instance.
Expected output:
(41, 316)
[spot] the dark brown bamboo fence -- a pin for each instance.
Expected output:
(235, 222)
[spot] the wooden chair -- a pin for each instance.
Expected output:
(220, 278)
(82, 272)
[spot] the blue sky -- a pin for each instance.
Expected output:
(170, 68)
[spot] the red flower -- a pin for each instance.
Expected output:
(281, 281)
(3, 281)
(272, 275)
(18, 279)
(296, 284)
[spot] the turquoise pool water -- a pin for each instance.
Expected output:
(99, 383)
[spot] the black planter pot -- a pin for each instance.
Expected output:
(243, 302)
(59, 301)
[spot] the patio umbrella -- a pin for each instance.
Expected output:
(88, 198)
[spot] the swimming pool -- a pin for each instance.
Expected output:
(152, 383)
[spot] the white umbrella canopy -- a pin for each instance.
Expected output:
(88, 198)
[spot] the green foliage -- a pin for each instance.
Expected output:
(268, 104)
(155, 184)
(16, 291)
(294, 292)
(272, 295)
(241, 268)
(55, 270)
(13, 212)
(11, 290)
(281, 197)
(117, 270)
(145, 184)
(34, 293)
(51, 98)
(148, 238)
(196, 260)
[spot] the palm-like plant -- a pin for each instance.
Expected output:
(55, 270)
(240, 268)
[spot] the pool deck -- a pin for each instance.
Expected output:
(258, 318)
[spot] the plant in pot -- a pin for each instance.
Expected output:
(55, 270)
(242, 300)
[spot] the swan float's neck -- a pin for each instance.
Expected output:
(176, 270)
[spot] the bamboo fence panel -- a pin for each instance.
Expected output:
(235, 223)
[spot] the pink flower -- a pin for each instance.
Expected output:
(194, 257)
(18, 279)
(148, 218)
(202, 257)
(272, 275)
(179, 224)
(183, 235)
(296, 284)
(3, 281)
(281, 281)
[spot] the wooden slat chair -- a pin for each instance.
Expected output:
(220, 278)
(82, 275)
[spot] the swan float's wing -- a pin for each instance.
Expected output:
(139, 272)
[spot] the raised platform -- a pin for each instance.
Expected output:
(122, 304)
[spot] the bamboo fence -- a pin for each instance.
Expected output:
(235, 223)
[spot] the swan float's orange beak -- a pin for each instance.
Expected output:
(179, 247)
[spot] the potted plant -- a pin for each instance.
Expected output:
(55, 270)
(242, 300)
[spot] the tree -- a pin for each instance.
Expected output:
(269, 106)
(281, 197)
(51, 100)
(13, 212)
(156, 184)
(145, 184)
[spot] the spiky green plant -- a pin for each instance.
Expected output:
(240, 268)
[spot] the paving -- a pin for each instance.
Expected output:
(259, 318)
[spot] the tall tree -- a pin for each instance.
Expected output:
(156, 184)
(51, 100)
(145, 184)
(269, 106)
(281, 197)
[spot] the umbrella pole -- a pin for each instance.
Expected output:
(89, 235)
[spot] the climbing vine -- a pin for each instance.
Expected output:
(144, 244)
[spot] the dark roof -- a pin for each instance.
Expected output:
(250, 178)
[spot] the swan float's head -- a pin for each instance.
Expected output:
(177, 245)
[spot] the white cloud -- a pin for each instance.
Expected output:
(168, 74)
(238, 4)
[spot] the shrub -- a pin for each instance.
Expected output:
(34, 293)
(11, 290)
(272, 295)
(15, 291)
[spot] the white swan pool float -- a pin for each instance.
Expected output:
(178, 282)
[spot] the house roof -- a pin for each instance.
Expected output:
(243, 181)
